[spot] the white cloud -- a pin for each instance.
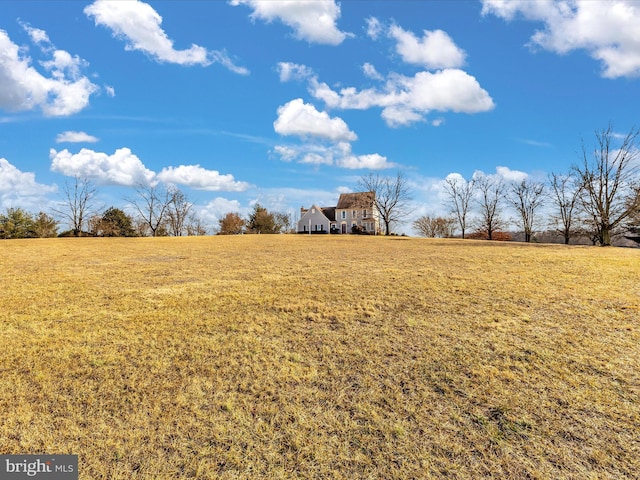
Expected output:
(24, 88)
(286, 153)
(535, 143)
(406, 100)
(502, 173)
(121, 168)
(194, 176)
(372, 161)
(38, 36)
(217, 208)
(374, 28)
(293, 71)
(63, 64)
(456, 177)
(338, 154)
(110, 91)
(221, 57)
(125, 168)
(138, 24)
(511, 175)
(314, 21)
(434, 50)
(371, 72)
(20, 189)
(327, 141)
(607, 30)
(303, 120)
(75, 137)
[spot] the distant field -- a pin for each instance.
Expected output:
(321, 357)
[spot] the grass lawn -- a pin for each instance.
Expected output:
(321, 357)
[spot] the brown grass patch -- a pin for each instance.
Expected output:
(321, 357)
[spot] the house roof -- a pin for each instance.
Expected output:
(330, 213)
(356, 200)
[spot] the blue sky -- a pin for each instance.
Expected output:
(289, 103)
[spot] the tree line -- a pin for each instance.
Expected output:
(598, 198)
(161, 211)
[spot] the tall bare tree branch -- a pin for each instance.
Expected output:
(392, 196)
(78, 201)
(152, 205)
(460, 193)
(527, 197)
(609, 179)
(491, 192)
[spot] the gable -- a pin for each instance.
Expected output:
(315, 213)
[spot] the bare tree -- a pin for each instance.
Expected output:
(392, 196)
(194, 226)
(78, 201)
(491, 195)
(433, 227)
(565, 196)
(283, 220)
(609, 181)
(527, 197)
(460, 193)
(152, 205)
(178, 211)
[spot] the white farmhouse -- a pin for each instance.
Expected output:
(355, 213)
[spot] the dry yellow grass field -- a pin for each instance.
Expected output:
(321, 357)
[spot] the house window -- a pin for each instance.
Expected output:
(344, 214)
(364, 213)
(354, 214)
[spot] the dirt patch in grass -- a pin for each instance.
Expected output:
(321, 357)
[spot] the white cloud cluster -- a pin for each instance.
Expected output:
(139, 25)
(124, 168)
(293, 71)
(370, 71)
(64, 92)
(19, 188)
(38, 36)
(303, 120)
(434, 50)
(121, 168)
(194, 176)
(607, 30)
(75, 137)
(314, 21)
(503, 173)
(405, 100)
(326, 139)
(374, 28)
(338, 154)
